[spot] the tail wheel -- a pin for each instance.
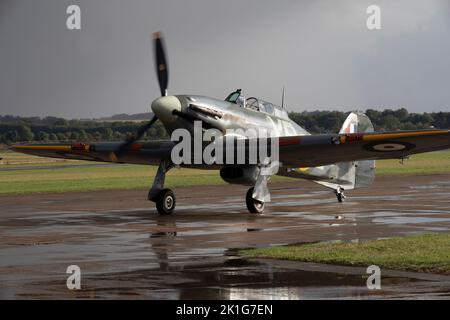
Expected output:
(165, 202)
(340, 194)
(254, 206)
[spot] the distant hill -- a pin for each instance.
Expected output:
(128, 117)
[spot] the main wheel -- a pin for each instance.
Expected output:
(165, 202)
(254, 206)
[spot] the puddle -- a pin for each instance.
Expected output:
(409, 220)
(236, 279)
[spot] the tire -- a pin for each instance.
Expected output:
(254, 206)
(165, 202)
(340, 194)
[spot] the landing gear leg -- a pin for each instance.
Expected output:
(257, 196)
(164, 198)
(340, 194)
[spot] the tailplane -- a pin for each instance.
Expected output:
(356, 174)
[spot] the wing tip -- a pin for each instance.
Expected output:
(16, 147)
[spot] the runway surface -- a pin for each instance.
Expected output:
(125, 250)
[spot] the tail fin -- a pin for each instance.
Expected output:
(358, 173)
(357, 122)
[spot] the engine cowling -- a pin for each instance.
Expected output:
(245, 175)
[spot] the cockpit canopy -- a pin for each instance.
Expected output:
(234, 96)
(256, 104)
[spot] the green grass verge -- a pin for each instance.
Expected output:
(426, 163)
(82, 176)
(79, 176)
(59, 186)
(423, 253)
(97, 178)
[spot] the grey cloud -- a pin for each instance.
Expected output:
(320, 50)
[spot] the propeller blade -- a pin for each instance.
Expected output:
(163, 80)
(141, 131)
(161, 63)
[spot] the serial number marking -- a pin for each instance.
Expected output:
(246, 309)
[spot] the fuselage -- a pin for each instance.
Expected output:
(226, 116)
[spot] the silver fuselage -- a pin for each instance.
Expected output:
(223, 115)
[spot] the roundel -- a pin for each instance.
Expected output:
(389, 146)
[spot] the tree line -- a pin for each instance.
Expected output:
(387, 120)
(51, 129)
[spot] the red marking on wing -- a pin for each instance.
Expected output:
(354, 137)
(136, 147)
(79, 147)
(289, 141)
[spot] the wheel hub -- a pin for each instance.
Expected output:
(169, 202)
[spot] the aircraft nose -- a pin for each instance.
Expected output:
(164, 107)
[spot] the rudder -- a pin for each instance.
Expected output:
(354, 174)
(359, 122)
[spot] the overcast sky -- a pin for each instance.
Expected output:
(321, 50)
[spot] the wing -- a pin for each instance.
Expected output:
(294, 152)
(137, 153)
(318, 150)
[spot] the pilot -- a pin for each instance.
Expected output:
(241, 101)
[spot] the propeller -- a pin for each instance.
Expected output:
(138, 135)
(163, 80)
(161, 64)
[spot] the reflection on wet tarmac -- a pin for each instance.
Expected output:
(125, 250)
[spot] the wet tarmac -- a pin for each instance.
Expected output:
(125, 250)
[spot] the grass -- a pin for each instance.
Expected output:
(423, 253)
(57, 175)
(425, 163)
(60, 175)
(82, 178)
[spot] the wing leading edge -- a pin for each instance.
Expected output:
(137, 153)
